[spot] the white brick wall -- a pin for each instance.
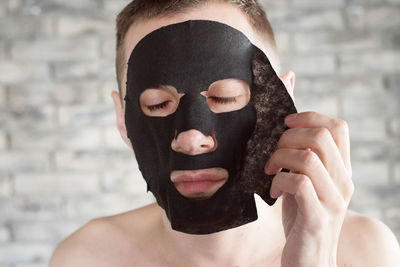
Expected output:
(310, 64)
(62, 161)
(370, 62)
(20, 72)
(56, 184)
(70, 26)
(84, 70)
(6, 190)
(24, 252)
(396, 176)
(3, 141)
(336, 41)
(375, 17)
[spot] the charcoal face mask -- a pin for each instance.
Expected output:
(191, 56)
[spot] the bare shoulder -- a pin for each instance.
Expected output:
(366, 241)
(107, 241)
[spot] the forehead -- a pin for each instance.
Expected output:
(187, 53)
(221, 12)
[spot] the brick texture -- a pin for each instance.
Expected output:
(62, 161)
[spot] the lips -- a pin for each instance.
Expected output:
(199, 184)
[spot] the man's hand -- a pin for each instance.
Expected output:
(318, 189)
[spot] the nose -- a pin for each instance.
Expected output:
(193, 142)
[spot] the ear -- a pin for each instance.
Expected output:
(119, 111)
(288, 80)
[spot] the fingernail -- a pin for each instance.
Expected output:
(272, 194)
(268, 170)
(291, 118)
(275, 194)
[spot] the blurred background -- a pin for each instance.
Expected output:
(62, 161)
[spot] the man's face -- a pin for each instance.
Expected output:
(222, 96)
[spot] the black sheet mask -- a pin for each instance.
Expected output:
(191, 56)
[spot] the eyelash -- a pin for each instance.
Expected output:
(223, 100)
(158, 106)
(218, 100)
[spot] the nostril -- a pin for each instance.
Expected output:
(215, 143)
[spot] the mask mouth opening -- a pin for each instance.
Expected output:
(199, 184)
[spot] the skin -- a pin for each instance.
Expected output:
(309, 225)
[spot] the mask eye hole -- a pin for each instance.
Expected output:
(159, 102)
(227, 95)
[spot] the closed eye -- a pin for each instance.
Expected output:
(158, 106)
(223, 100)
(227, 95)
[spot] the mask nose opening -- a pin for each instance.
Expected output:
(193, 142)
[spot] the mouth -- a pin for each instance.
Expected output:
(199, 184)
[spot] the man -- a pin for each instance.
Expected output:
(309, 226)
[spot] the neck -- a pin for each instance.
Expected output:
(255, 241)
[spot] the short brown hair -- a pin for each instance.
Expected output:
(147, 9)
